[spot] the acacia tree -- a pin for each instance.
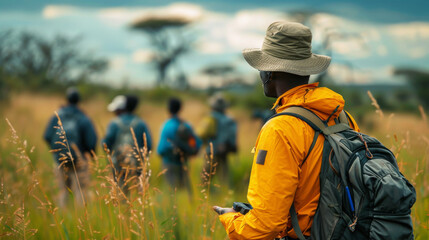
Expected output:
(419, 80)
(220, 71)
(167, 37)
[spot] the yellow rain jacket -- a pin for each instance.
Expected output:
(277, 179)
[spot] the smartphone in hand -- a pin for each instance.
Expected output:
(220, 210)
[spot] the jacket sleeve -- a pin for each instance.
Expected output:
(89, 135)
(50, 131)
(143, 129)
(272, 186)
(109, 139)
(165, 146)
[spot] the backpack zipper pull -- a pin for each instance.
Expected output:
(367, 152)
(352, 226)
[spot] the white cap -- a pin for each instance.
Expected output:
(118, 103)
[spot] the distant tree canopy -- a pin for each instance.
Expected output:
(419, 80)
(167, 37)
(157, 24)
(218, 70)
(28, 60)
(222, 76)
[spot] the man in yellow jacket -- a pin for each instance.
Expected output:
(284, 171)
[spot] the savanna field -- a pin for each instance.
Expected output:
(28, 187)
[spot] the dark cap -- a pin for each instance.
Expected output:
(72, 95)
(131, 103)
(174, 105)
(218, 103)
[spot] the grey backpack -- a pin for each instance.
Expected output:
(124, 142)
(363, 195)
(70, 125)
(225, 140)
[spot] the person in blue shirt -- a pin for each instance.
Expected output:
(120, 140)
(177, 143)
(78, 141)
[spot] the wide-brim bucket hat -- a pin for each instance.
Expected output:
(287, 48)
(218, 102)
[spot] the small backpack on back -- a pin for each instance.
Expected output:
(185, 141)
(363, 195)
(225, 140)
(124, 143)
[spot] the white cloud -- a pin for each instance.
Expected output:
(342, 73)
(410, 39)
(383, 73)
(371, 34)
(353, 48)
(357, 40)
(143, 56)
(191, 12)
(324, 25)
(326, 21)
(410, 31)
(56, 11)
(211, 47)
(200, 80)
(225, 34)
(382, 50)
(117, 62)
(118, 16)
(418, 52)
(231, 33)
(247, 28)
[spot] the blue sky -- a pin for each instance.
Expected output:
(380, 35)
(393, 10)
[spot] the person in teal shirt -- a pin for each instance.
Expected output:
(173, 147)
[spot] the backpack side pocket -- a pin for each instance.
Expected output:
(392, 197)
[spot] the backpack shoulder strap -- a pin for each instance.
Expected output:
(305, 115)
(124, 126)
(295, 224)
(343, 117)
(134, 122)
(315, 122)
(320, 127)
(120, 124)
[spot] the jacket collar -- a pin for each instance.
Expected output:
(285, 97)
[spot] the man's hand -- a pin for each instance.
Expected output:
(221, 211)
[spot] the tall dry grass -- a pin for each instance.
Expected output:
(152, 210)
(407, 138)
